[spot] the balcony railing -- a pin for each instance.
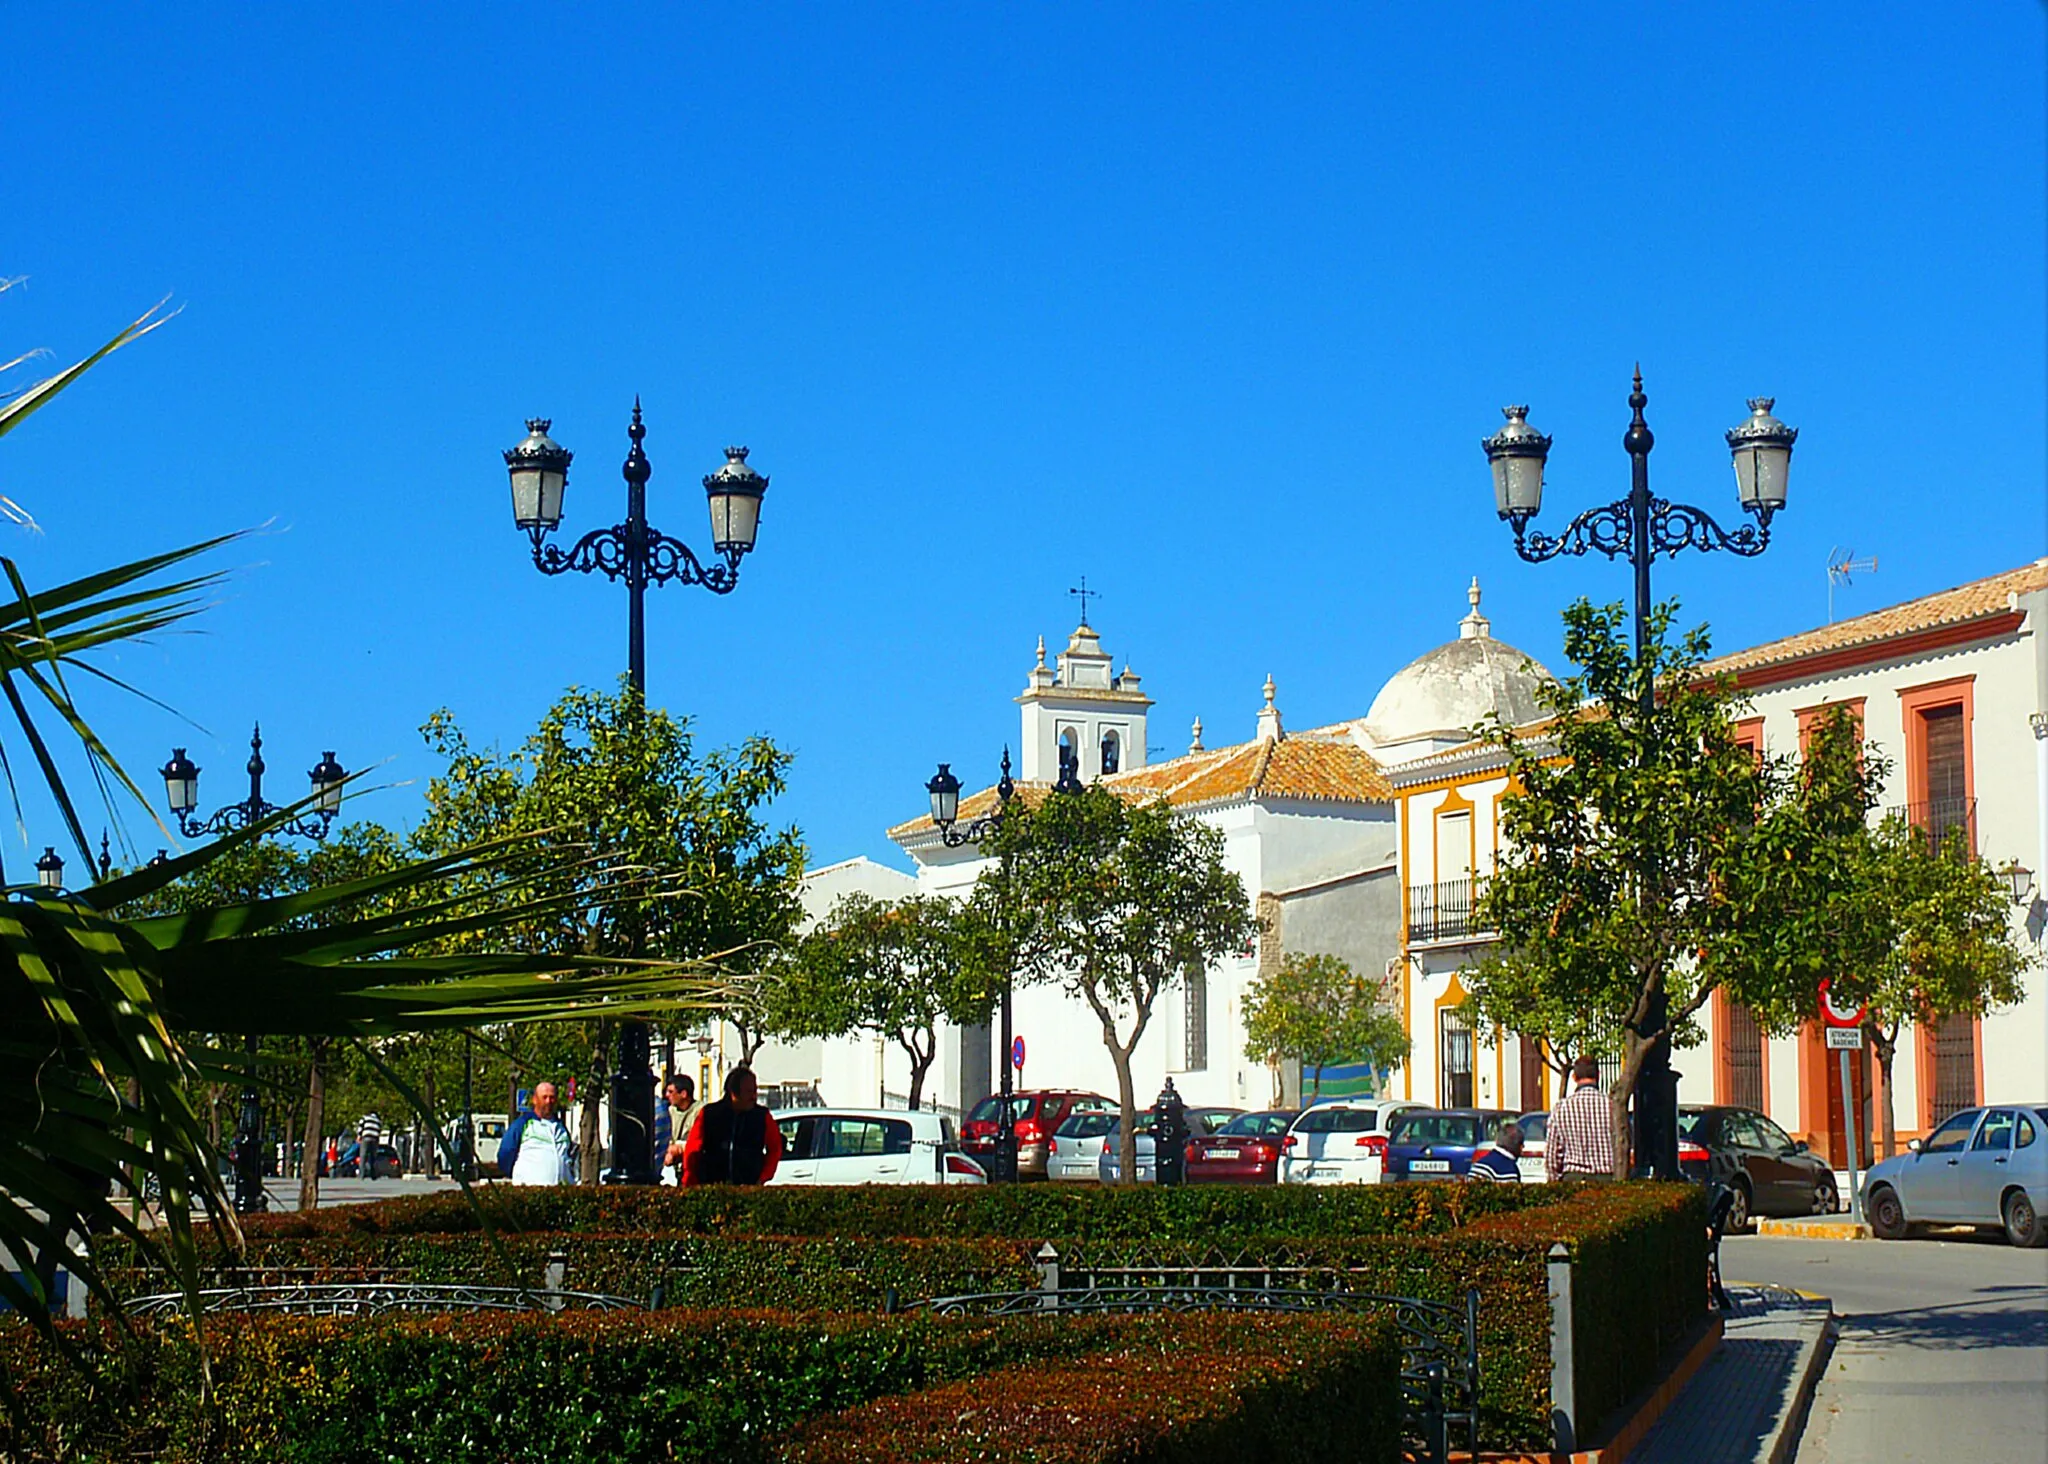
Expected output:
(1443, 911)
(1939, 818)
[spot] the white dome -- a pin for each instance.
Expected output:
(1444, 693)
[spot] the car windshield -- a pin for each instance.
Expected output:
(1087, 1125)
(1021, 1107)
(1338, 1121)
(1256, 1125)
(1535, 1126)
(1441, 1128)
(1691, 1123)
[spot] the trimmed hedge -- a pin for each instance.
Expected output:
(600, 1386)
(1254, 1390)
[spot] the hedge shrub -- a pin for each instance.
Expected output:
(591, 1386)
(1254, 1390)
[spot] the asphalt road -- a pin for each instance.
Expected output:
(1942, 1353)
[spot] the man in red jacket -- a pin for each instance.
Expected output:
(735, 1140)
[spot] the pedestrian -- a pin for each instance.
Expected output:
(1580, 1142)
(1501, 1160)
(537, 1148)
(735, 1140)
(672, 1124)
(369, 1131)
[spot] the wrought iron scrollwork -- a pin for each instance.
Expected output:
(238, 816)
(1610, 530)
(371, 1298)
(610, 552)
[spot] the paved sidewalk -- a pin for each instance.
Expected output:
(1744, 1405)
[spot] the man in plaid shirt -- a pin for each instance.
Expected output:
(1580, 1144)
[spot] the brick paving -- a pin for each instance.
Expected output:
(1740, 1407)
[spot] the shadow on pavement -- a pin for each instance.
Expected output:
(1961, 1325)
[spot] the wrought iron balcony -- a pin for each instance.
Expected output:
(1443, 911)
(1941, 818)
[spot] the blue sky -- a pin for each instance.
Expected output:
(1211, 304)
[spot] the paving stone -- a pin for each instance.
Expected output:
(1738, 1407)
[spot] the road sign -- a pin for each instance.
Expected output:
(1017, 1052)
(1845, 1039)
(1836, 1012)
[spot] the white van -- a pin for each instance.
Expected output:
(871, 1146)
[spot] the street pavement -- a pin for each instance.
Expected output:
(284, 1193)
(1942, 1353)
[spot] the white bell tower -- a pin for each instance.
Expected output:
(1097, 713)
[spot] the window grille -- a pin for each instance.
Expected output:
(1195, 1024)
(1745, 1047)
(1454, 1080)
(1954, 1040)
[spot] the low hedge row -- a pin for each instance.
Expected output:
(611, 1386)
(1254, 1390)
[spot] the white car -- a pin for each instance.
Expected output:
(1076, 1149)
(1342, 1142)
(871, 1146)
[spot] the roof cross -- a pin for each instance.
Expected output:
(1082, 594)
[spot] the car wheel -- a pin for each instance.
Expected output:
(2023, 1225)
(1738, 1207)
(1826, 1199)
(1887, 1215)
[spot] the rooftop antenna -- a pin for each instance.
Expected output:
(1841, 564)
(1083, 595)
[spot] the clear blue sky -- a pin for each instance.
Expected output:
(1211, 304)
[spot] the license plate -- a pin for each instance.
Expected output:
(1223, 1153)
(1430, 1166)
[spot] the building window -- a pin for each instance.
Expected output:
(1109, 753)
(1195, 1022)
(1948, 793)
(1952, 1054)
(1743, 1047)
(1070, 753)
(1454, 1070)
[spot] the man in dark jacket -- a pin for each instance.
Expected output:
(735, 1140)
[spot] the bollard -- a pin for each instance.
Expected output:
(1563, 1401)
(551, 1286)
(1048, 1276)
(1435, 1428)
(892, 1302)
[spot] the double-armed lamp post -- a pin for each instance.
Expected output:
(641, 555)
(1639, 528)
(944, 789)
(181, 790)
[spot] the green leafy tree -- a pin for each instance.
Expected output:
(895, 968)
(1112, 902)
(1645, 853)
(1318, 1011)
(605, 785)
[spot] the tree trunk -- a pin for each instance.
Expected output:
(1885, 1048)
(920, 1064)
(1127, 1105)
(430, 1159)
(1634, 1051)
(1279, 1082)
(316, 1123)
(587, 1165)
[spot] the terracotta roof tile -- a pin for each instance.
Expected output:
(1973, 601)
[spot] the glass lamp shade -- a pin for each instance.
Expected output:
(1763, 457)
(945, 791)
(539, 467)
(181, 782)
(50, 869)
(327, 777)
(2018, 878)
(1516, 453)
(734, 494)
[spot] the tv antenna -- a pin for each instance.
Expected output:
(1842, 563)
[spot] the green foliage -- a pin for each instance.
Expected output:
(1645, 852)
(1112, 902)
(1318, 1011)
(897, 968)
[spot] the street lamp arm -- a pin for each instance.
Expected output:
(974, 833)
(238, 816)
(610, 552)
(1610, 530)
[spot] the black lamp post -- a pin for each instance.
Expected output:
(641, 555)
(1639, 528)
(181, 789)
(944, 789)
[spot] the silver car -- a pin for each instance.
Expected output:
(1109, 1164)
(1983, 1166)
(1077, 1146)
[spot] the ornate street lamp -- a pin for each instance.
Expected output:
(50, 869)
(641, 555)
(181, 791)
(1639, 528)
(2018, 879)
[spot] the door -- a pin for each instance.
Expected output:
(1795, 1174)
(863, 1150)
(1534, 1069)
(1837, 1153)
(797, 1166)
(1760, 1160)
(1982, 1171)
(1455, 1059)
(1931, 1186)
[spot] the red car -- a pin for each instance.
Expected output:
(1245, 1150)
(1036, 1114)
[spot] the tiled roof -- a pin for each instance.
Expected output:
(1296, 767)
(1980, 599)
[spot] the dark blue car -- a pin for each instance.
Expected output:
(1438, 1143)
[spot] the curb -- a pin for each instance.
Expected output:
(1814, 1229)
(1785, 1439)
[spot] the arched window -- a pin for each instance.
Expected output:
(1109, 753)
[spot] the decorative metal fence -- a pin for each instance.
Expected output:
(1444, 911)
(373, 1298)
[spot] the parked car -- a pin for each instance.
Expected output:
(1201, 1121)
(1535, 1129)
(1342, 1142)
(385, 1163)
(1077, 1146)
(1245, 1150)
(1438, 1143)
(1037, 1115)
(1982, 1166)
(871, 1146)
(1767, 1172)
